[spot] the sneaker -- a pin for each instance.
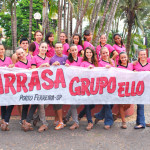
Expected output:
(106, 127)
(74, 126)
(43, 128)
(89, 127)
(124, 125)
(59, 126)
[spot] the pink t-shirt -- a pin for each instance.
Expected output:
(86, 64)
(103, 63)
(75, 63)
(38, 61)
(29, 57)
(21, 64)
(98, 48)
(119, 50)
(36, 52)
(128, 67)
(65, 49)
(88, 44)
(50, 51)
(139, 67)
(80, 48)
(6, 62)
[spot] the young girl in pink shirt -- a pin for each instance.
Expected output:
(23, 62)
(73, 60)
(123, 64)
(78, 42)
(142, 65)
(34, 46)
(90, 61)
(38, 61)
(5, 110)
(87, 40)
(64, 41)
(105, 59)
(106, 111)
(49, 39)
(103, 43)
(118, 46)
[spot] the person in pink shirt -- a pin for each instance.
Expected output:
(123, 63)
(38, 61)
(49, 39)
(142, 65)
(34, 46)
(105, 59)
(64, 41)
(77, 40)
(89, 61)
(106, 111)
(103, 43)
(73, 60)
(87, 40)
(118, 46)
(5, 110)
(23, 61)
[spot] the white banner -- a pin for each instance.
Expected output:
(73, 85)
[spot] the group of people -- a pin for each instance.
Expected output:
(44, 54)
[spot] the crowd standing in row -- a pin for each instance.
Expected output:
(45, 54)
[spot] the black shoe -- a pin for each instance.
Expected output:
(139, 127)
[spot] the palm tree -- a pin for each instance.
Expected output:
(102, 22)
(30, 20)
(131, 12)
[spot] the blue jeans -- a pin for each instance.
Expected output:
(87, 111)
(140, 120)
(105, 113)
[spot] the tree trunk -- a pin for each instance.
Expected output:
(109, 17)
(68, 15)
(45, 16)
(70, 21)
(112, 18)
(30, 20)
(81, 11)
(58, 23)
(82, 15)
(95, 18)
(15, 27)
(12, 29)
(93, 14)
(61, 8)
(64, 15)
(102, 22)
(130, 19)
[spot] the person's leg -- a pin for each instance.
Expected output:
(140, 115)
(88, 112)
(108, 115)
(24, 112)
(74, 113)
(101, 114)
(42, 114)
(8, 113)
(31, 113)
(3, 112)
(5, 125)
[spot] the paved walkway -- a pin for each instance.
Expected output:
(80, 139)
